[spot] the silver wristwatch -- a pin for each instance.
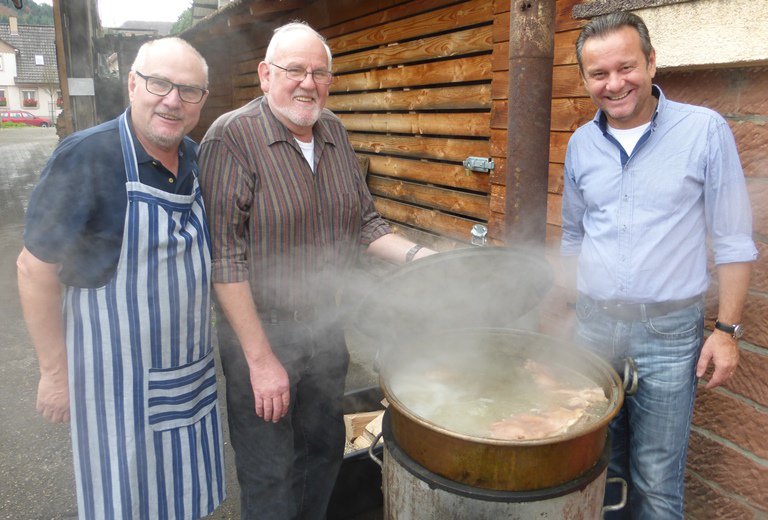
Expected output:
(736, 330)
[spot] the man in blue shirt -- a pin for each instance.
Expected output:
(647, 182)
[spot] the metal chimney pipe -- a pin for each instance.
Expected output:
(531, 55)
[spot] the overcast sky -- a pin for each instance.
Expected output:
(114, 12)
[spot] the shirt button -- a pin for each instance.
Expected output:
(171, 180)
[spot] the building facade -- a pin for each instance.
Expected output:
(29, 79)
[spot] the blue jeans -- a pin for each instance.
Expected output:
(287, 470)
(650, 433)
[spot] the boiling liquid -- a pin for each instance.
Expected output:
(467, 394)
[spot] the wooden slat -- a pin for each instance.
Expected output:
(555, 178)
(501, 28)
(441, 174)
(558, 142)
(431, 240)
(475, 124)
(567, 114)
(441, 20)
(338, 17)
(567, 82)
(247, 93)
(570, 113)
(445, 149)
(565, 47)
(434, 221)
(476, 68)
(452, 44)
(554, 209)
(247, 66)
(443, 98)
(246, 80)
(563, 19)
(466, 204)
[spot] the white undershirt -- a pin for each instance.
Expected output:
(629, 137)
(308, 149)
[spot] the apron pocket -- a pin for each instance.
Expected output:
(181, 396)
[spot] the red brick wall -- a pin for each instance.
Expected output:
(728, 462)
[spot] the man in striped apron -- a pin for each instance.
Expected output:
(125, 350)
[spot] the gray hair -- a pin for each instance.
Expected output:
(282, 34)
(144, 50)
(610, 23)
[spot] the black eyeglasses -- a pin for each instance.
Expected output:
(162, 87)
(323, 77)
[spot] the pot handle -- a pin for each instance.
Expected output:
(630, 376)
(622, 502)
(372, 455)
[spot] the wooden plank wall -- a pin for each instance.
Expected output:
(413, 88)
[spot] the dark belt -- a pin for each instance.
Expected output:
(626, 311)
(290, 315)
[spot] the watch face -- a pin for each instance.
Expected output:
(738, 330)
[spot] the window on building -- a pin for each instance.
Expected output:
(39, 59)
(29, 98)
(3, 99)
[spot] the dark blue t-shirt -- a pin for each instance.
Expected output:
(76, 213)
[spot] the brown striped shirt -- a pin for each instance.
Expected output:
(292, 233)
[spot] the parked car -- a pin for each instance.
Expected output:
(22, 116)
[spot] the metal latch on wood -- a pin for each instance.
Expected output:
(478, 164)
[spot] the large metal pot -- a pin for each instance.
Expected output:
(520, 465)
(487, 297)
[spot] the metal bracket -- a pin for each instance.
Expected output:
(479, 164)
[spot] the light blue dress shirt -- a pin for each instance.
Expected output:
(641, 223)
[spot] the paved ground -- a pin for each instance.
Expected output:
(36, 477)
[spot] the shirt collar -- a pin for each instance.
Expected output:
(601, 120)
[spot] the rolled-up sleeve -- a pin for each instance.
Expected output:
(727, 206)
(227, 187)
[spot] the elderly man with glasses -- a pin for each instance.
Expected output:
(289, 212)
(117, 222)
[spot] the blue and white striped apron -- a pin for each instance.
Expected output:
(146, 433)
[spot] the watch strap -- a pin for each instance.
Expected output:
(730, 329)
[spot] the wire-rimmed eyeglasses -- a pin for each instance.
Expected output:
(322, 77)
(163, 87)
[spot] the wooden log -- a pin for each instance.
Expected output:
(442, 98)
(436, 222)
(441, 20)
(442, 174)
(457, 202)
(373, 428)
(355, 423)
(473, 40)
(442, 148)
(338, 17)
(475, 68)
(474, 124)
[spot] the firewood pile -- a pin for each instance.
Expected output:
(362, 429)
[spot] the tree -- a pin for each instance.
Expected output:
(184, 21)
(30, 14)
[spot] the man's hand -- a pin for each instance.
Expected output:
(722, 350)
(271, 388)
(53, 397)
